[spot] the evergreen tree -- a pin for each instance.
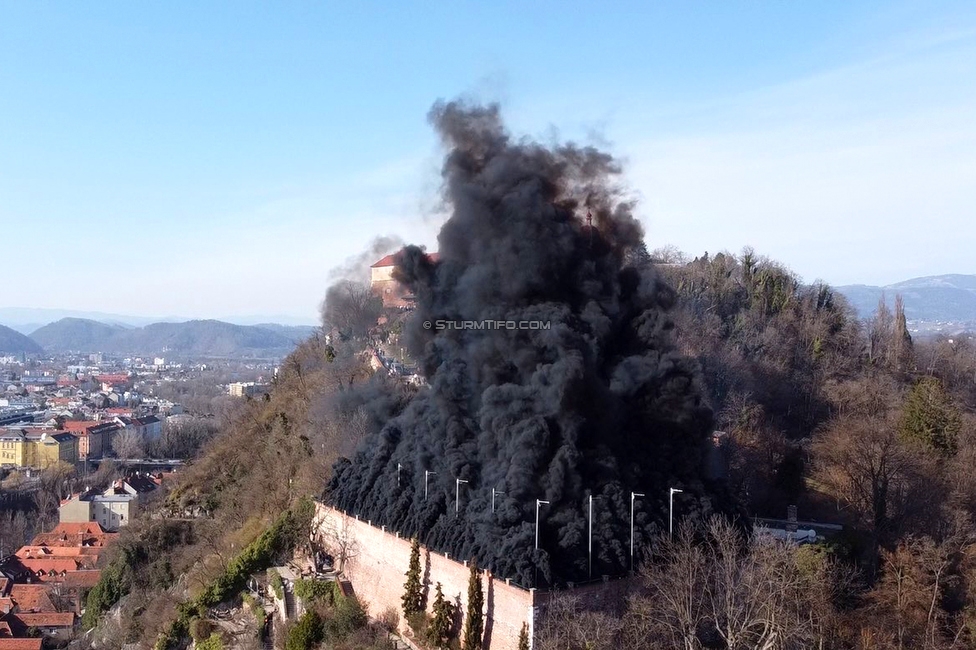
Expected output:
(412, 591)
(929, 417)
(474, 622)
(440, 630)
(523, 642)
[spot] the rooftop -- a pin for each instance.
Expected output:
(391, 259)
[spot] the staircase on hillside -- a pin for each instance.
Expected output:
(290, 609)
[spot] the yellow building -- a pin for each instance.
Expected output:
(12, 447)
(53, 448)
(37, 448)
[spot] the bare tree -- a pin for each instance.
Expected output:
(674, 609)
(128, 444)
(335, 534)
(566, 625)
(886, 484)
(917, 577)
(351, 308)
(55, 485)
(14, 531)
(714, 587)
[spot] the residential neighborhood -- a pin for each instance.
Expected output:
(42, 585)
(92, 426)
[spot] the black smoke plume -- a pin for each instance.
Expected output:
(597, 403)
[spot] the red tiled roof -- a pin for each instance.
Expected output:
(75, 528)
(79, 426)
(20, 644)
(391, 259)
(85, 579)
(57, 551)
(32, 598)
(46, 619)
(61, 540)
(49, 564)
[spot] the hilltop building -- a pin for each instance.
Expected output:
(382, 283)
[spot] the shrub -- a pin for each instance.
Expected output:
(200, 629)
(254, 606)
(213, 642)
(317, 590)
(274, 579)
(347, 617)
(389, 620)
(306, 633)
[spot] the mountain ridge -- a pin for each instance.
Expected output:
(948, 298)
(13, 342)
(28, 319)
(191, 338)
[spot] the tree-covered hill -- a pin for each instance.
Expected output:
(199, 338)
(13, 342)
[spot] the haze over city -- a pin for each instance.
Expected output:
(219, 160)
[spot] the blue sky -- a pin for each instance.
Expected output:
(218, 159)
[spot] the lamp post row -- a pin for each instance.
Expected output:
(539, 502)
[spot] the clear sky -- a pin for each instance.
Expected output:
(217, 159)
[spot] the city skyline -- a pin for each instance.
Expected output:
(220, 161)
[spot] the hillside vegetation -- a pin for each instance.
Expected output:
(852, 421)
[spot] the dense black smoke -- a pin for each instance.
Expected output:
(597, 403)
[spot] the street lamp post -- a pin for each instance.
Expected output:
(590, 544)
(538, 502)
(457, 494)
(671, 493)
(427, 475)
(633, 497)
(493, 493)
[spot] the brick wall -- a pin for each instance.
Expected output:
(377, 564)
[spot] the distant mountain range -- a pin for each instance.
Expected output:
(28, 319)
(14, 343)
(930, 303)
(197, 338)
(946, 299)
